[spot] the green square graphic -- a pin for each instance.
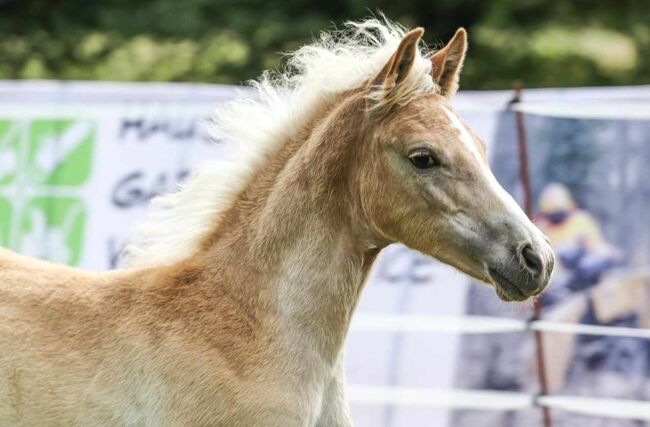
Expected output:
(5, 221)
(44, 163)
(60, 151)
(10, 137)
(53, 228)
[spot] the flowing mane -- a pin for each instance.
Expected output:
(336, 62)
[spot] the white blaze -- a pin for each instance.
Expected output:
(466, 138)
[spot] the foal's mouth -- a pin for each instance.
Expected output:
(506, 288)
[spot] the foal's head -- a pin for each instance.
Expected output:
(425, 180)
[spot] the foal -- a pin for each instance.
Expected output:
(236, 314)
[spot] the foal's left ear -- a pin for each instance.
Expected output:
(447, 63)
(400, 63)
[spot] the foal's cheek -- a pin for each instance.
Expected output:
(438, 197)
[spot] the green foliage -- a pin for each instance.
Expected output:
(542, 42)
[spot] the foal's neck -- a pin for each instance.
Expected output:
(298, 234)
(318, 285)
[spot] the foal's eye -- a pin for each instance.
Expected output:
(423, 159)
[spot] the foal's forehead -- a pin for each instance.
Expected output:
(465, 134)
(433, 115)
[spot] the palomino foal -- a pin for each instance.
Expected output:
(236, 314)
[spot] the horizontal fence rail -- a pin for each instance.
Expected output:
(497, 401)
(483, 325)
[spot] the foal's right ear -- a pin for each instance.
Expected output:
(400, 63)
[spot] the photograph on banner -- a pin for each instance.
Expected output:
(591, 193)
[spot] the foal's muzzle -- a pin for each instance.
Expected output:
(525, 273)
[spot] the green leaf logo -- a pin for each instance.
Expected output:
(10, 138)
(43, 165)
(60, 151)
(52, 228)
(5, 221)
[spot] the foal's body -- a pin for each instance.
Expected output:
(179, 347)
(223, 339)
(244, 324)
(248, 332)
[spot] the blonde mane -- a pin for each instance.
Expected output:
(338, 61)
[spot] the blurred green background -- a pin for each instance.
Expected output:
(541, 42)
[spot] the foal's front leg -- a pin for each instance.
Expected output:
(335, 411)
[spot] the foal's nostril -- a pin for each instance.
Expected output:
(531, 260)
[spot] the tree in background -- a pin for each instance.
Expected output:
(542, 42)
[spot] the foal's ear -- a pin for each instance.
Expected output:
(447, 63)
(400, 63)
